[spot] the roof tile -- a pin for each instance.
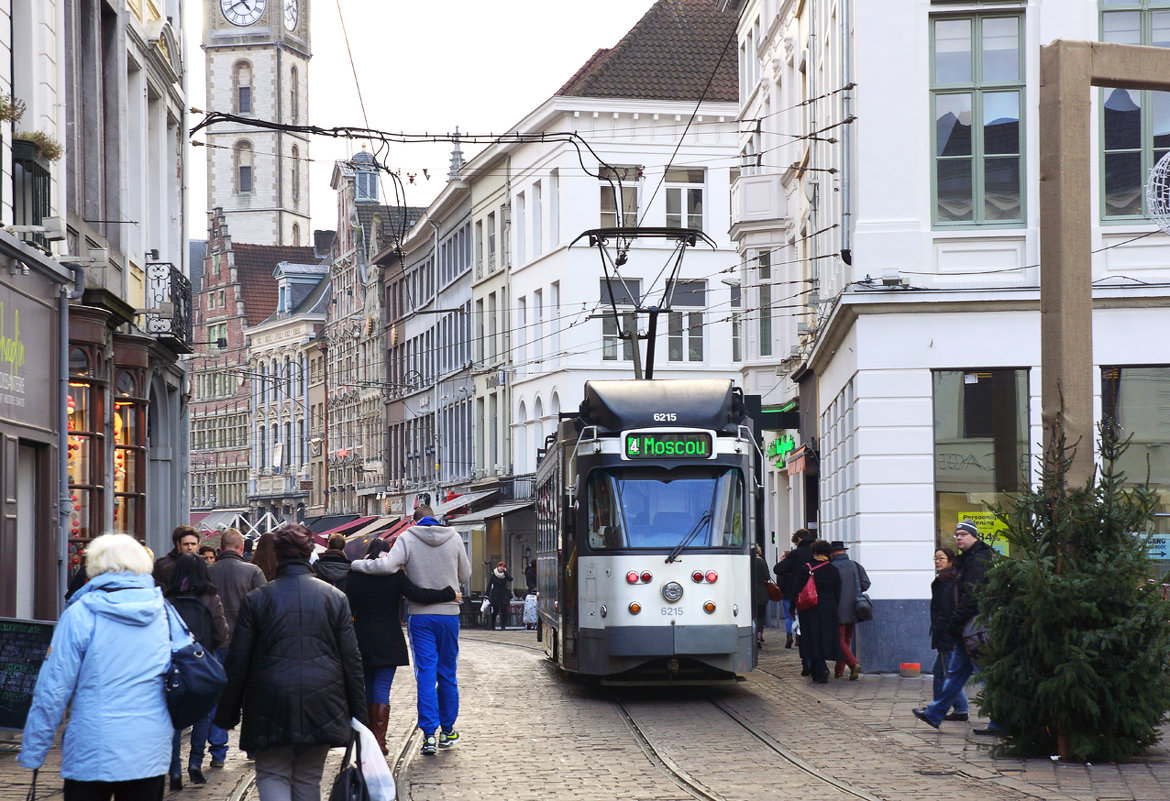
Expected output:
(254, 266)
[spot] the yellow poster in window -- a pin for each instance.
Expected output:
(991, 529)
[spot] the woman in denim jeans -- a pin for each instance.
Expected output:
(942, 605)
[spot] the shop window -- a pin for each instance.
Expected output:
(86, 447)
(1137, 401)
(129, 455)
(980, 445)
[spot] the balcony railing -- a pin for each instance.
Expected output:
(31, 184)
(168, 304)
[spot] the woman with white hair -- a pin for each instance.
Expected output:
(106, 662)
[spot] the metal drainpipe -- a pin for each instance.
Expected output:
(847, 131)
(814, 201)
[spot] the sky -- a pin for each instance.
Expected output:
(432, 66)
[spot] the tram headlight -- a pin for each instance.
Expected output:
(635, 607)
(672, 591)
(709, 607)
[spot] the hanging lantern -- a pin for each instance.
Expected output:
(1158, 193)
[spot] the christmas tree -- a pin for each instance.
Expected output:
(1077, 663)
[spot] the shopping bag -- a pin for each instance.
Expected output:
(378, 778)
(350, 784)
(485, 606)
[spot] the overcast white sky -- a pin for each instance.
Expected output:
(426, 66)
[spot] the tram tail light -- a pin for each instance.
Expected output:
(709, 607)
(646, 577)
(697, 577)
(712, 576)
(632, 577)
(635, 607)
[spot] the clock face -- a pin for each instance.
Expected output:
(242, 12)
(290, 14)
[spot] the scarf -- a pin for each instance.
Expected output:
(499, 573)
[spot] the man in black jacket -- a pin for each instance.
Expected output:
(185, 540)
(972, 565)
(295, 657)
(788, 570)
(333, 565)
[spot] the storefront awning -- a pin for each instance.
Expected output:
(217, 520)
(445, 507)
(383, 527)
(324, 523)
(344, 530)
(478, 519)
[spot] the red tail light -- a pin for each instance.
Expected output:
(646, 577)
(632, 577)
(697, 576)
(712, 576)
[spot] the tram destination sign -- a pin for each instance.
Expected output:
(669, 445)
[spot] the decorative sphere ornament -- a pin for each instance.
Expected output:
(1158, 193)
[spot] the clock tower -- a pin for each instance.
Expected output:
(257, 54)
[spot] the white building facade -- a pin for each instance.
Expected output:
(919, 367)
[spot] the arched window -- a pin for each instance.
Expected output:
(242, 158)
(296, 235)
(242, 86)
(296, 174)
(295, 94)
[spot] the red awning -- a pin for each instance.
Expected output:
(344, 529)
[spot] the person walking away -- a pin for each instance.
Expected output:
(499, 595)
(264, 555)
(234, 578)
(375, 601)
(530, 613)
(972, 564)
(332, 565)
(788, 572)
(530, 577)
(760, 577)
(109, 653)
(818, 625)
(294, 657)
(854, 581)
(431, 555)
(942, 606)
(197, 602)
(186, 540)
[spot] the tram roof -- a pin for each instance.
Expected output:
(695, 403)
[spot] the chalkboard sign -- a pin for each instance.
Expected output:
(23, 646)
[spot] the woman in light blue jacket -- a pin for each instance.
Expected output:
(106, 663)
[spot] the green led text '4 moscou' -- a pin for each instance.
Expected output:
(695, 445)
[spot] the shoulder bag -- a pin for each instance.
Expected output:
(774, 593)
(350, 784)
(974, 636)
(195, 679)
(862, 607)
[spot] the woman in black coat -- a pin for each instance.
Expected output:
(375, 601)
(295, 658)
(942, 606)
(818, 625)
(499, 594)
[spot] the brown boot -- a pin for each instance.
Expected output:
(379, 715)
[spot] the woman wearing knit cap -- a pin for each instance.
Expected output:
(295, 658)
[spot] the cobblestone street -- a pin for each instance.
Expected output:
(528, 734)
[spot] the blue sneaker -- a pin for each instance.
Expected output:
(448, 739)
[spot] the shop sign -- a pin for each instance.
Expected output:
(1158, 547)
(27, 345)
(780, 447)
(991, 529)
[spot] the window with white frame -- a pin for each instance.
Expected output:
(736, 324)
(977, 95)
(615, 183)
(537, 220)
(1135, 123)
(684, 340)
(625, 296)
(764, 312)
(684, 198)
(838, 448)
(521, 209)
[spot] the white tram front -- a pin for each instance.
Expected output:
(647, 510)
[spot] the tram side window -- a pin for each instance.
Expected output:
(605, 520)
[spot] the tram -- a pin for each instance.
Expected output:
(648, 501)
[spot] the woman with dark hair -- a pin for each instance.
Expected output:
(818, 625)
(942, 605)
(498, 595)
(375, 601)
(264, 555)
(295, 658)
(197, 601)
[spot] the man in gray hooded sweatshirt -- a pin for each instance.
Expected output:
(432, 555)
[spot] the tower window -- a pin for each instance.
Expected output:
(242, 84)
(296, 173)
(295, 99)
(296, 235)
(242, 156)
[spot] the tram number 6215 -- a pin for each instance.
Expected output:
(672, 611)
(665, 417)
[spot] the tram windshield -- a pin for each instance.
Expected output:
(630, 509)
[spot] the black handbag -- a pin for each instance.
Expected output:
(974, 636)
(862, 606)
(350, 784)
(195, 679)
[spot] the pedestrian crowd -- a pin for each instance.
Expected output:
(306, 646)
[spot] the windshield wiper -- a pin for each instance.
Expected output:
(703, 518)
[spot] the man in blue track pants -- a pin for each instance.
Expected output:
(432, 556)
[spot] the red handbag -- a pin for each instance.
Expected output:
(774, 593)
